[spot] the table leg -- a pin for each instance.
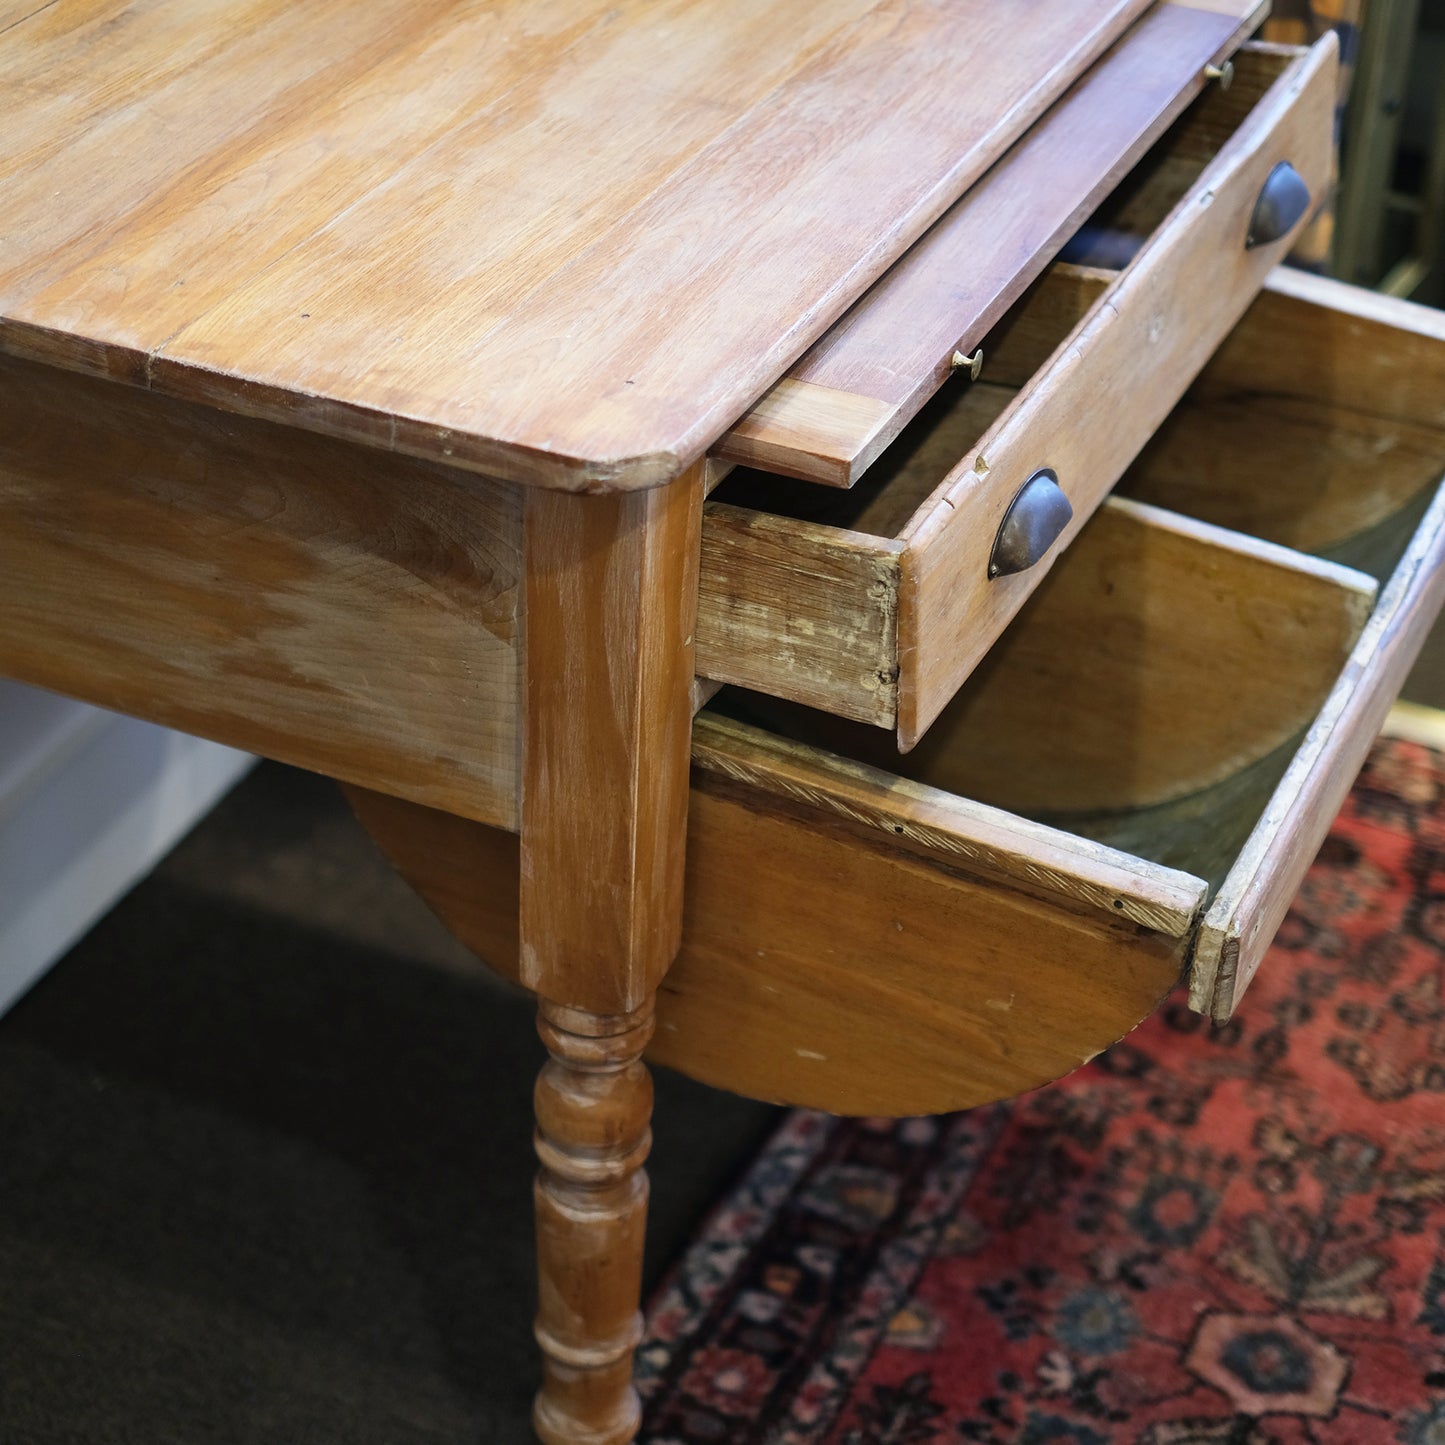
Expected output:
(610, 601)
(594, 1105)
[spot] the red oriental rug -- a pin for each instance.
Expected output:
(1229, 1236)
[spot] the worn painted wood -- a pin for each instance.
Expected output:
(1322, 414)
(573, 259)
(853, 392)
(1246, 913)
(291, 595)
(1146, 339)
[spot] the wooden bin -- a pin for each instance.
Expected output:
(1181, 708)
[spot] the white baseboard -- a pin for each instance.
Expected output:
(90, 801)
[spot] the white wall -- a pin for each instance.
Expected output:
(89, 802)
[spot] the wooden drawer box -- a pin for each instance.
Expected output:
(875, 604)
(1180, 708)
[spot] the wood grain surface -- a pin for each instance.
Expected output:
(1251, 905)
(610, 589)
(593, 1103)
(1322, 414)
(12, 12)
(800, 611)
(288, 594)
(854, 942)
(850, 395)
(564, 242)
(1146, 339)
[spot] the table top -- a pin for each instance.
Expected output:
(564, 242)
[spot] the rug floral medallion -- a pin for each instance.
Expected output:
(1209, 1236)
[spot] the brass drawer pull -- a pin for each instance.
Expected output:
(1034, 521)
(1283, 201)
(1224, 74)
(971, 364)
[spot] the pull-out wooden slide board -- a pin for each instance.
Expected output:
(856, 388)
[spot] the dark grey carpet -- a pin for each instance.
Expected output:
(265, 1162)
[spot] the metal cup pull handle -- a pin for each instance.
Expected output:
(1035, 520)
(1282, 202)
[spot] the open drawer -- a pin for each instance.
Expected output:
(1132, 784)
(876, 603)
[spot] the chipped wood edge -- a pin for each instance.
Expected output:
(800, 610)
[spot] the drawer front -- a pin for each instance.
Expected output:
(1102, 394)
(877, 603)
(1248, 910)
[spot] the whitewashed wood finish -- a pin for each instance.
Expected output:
(809, 612)
(610, 587)
(290, 595)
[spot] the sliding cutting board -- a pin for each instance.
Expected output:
(562, 241)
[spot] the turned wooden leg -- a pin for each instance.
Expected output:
(594, 1108)
(609, 600)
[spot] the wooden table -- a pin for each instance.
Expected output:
(361, 365)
